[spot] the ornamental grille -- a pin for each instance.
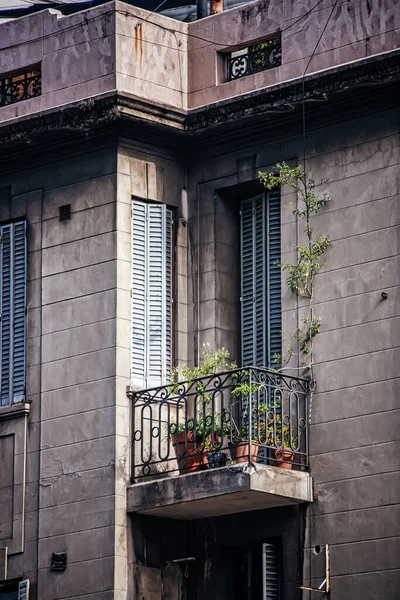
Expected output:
(252, 59)
(23, 86)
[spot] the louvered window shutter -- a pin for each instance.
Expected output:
(13, 312)
(271, 571)
(23, 590)
(260, 279)
(151, 294)
(274, 276)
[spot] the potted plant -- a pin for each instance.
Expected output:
(197, 442)
(240, 447)
(281, 435)
(189, 451)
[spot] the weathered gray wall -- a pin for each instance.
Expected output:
(355, 416)
(78, 345)
(355, 425)
(76, 54)
(354, 30)
(71, 358)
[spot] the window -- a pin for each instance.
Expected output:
(151, 294)
(260, 233)
(252, 59)
(21, 86)
(258, 571)
(13, 312)
(14, 589)
(271, 571)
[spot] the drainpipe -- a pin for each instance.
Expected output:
(202, 9)
(216, 6)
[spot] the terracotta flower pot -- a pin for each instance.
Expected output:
(240, 452)
(284, 458)
(187, 458)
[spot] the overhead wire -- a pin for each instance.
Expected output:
(312, 381)
(146, 19)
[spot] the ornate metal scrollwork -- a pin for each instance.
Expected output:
(179, 427)
(259, 57)
(17, 88)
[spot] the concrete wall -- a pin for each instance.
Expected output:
(76, 54)
(355, 30)
(355, 416)
(71, 455)
(71, 498)
(151, 55)
(183, 65)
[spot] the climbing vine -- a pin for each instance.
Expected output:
(300, 276)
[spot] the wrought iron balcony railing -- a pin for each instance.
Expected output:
(244, 415)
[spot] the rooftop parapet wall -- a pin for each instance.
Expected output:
(356, 29)
(151, 56)
(76, 55)
(166, 62)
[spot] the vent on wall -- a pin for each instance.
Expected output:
(65, 212)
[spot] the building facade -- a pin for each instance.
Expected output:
(135, 233)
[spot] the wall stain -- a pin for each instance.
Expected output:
(139, 42)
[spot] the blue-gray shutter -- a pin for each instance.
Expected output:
(247, 283)
(23, 590)
(151, 294)
(260, 279)
(13, 312)
(271, 574)
(274, 276)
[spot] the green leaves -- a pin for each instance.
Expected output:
(212, 362)
(300, 277)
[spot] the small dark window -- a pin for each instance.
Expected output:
(65, 212)
(252, 59)
(14, 589)
(21, 86)
(258, 572)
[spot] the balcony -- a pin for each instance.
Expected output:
(224, 443)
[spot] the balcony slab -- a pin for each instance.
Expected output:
(217, 492)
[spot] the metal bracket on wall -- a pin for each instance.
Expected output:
(325, 586)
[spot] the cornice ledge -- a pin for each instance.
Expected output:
(132, 106)
(82, 116)
(15, 410)
(284, 97)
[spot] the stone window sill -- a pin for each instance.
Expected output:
(15, 410)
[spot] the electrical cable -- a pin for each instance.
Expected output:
(145, 19)
(312, 381)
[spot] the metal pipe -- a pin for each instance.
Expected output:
(202, 9)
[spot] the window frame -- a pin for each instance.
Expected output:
(20, 86)
(13, 346)
(260, 234)
(263, 55)
(148, 308)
